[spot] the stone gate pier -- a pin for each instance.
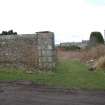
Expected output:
(46, 50)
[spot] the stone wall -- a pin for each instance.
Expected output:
(28, 50)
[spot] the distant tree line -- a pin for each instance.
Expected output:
(10, 32)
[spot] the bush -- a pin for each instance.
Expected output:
(96, 38)
(93, 53)
(10, 32)
(72, 47)
(100, 63)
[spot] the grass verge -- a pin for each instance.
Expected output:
(68, 74)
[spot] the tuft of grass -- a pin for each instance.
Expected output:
(68, 74)
(100, 63)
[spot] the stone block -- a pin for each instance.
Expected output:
(49, 53)
(44, 59)
(49, 59)
(44, 53)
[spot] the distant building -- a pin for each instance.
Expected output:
(82, 44)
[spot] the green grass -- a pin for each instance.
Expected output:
(68, 74)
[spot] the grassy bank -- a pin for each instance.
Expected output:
(68, 74)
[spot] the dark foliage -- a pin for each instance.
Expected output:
(10, 32)
(71, 47)
(96, 38)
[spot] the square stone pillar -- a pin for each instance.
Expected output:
(46, 50)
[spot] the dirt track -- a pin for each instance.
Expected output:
(20, 93)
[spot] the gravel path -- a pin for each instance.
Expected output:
(25, 93)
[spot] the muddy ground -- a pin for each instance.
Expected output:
(27, 93)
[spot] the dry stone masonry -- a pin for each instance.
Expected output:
(28, 50)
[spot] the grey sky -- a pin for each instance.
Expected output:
(96, 2)
(71, 20)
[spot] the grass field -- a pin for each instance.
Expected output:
(68, 74)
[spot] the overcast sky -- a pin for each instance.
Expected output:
(70, 20)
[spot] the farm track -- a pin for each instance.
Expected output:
(27, 93)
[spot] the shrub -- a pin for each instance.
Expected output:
(10, 32)
(96, 38)
(71, 47)
(93, 52)
(100, 63)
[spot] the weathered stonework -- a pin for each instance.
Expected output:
(46, 50)
(28, 50)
